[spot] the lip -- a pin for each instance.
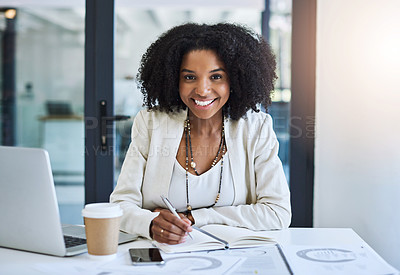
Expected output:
(204, 101)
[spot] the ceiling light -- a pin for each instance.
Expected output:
(10, 13)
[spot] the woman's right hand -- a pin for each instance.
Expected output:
(166, 228)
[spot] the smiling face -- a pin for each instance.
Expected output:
(203, 84)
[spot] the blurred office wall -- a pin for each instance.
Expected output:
(357, 154)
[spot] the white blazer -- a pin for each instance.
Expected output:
(262, 197)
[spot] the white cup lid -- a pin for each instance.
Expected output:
(102, 210)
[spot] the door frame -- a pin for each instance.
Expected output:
(302, 123)
(99, 86)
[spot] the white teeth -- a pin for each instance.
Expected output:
(203, 103)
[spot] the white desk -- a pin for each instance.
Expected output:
(19, 262)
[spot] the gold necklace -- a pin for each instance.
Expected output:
(188, 141)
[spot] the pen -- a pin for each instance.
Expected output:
(212, 236)
(172, 209)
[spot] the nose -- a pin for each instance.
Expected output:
(204, 88)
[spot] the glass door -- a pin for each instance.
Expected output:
(42, 92)
(280, 33)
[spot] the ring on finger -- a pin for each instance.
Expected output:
(162, 231)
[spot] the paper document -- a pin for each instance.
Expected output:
(331, 260)
(182, 263)
(243, 261)
(263, 260)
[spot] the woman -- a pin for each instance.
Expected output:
(202, 141)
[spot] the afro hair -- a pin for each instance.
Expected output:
(249, 61)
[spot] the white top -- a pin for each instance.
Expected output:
(202, 189)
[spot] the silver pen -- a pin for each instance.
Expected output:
(171, 208)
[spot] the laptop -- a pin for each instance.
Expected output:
(58, 108)
(29, 214)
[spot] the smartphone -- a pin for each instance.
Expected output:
(146, 256)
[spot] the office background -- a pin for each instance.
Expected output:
(355, 125)
(357, 157)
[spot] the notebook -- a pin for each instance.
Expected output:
(29, 212)
(218, 236)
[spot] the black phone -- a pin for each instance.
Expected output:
(145, 256)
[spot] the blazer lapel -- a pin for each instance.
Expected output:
(232, 139)
(173, 131)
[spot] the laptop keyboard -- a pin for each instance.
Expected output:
(73, 241)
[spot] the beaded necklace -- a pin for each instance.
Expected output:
(188, 142)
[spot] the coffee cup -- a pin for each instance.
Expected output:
(102, 229)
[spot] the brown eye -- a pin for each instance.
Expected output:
(189, 77)
(216, 76)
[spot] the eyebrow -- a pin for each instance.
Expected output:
(212, 71)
